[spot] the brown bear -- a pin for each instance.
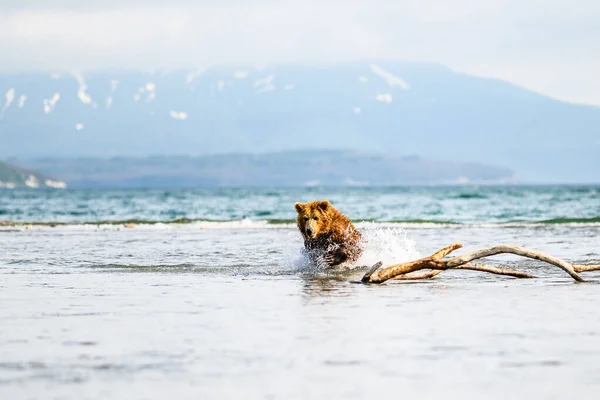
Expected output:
(329, 236)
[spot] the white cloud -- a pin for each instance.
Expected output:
(546, 45)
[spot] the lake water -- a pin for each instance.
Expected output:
(220, 303)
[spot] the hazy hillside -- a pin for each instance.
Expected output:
(275, 169)
(393, 108)
(15, 177)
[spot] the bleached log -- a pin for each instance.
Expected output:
(435, 262)
(417, 275)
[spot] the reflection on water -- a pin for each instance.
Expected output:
(326, 286)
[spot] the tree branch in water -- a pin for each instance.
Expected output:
(435, 263)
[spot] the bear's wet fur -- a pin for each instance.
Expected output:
(330, 238)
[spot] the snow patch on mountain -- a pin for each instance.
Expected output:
(9, 98)
(22, 100)
(178, 115)
(149, 89)
(391, 79)
(265, 89)
(192, 76)
(241, 74)
(384, 97)
(82, 93)
(50, 103)
(263, 81)
(32, 182)
(264, 85)
(55, 184)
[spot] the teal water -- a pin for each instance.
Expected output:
(463, 205)
(224, 306)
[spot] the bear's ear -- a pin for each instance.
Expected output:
(323, 205)
(299, 207)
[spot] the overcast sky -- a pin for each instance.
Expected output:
(551, 46)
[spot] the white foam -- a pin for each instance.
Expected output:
(356, 110)
(289, 86)
(109, 101)
(79, 127)
(239, 224)
(114, 84)
(392, 80)
(363, 79)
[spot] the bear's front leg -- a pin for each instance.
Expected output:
(335, 257)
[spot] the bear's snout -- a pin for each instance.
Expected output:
(309, 232)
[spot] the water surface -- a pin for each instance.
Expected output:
(211, 309)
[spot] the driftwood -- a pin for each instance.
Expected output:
(412, 270)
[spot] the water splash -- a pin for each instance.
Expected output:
(294, 256)
(387, 244)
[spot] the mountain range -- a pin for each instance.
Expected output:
(387, 108)
(292, 168)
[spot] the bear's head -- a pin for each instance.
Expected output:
(314, 218)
